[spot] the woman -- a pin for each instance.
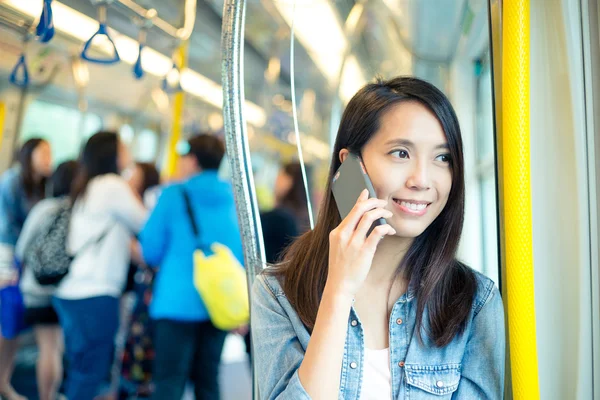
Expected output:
(290, 215)
(392, 314)
(285, 222)
(138, 352)
(20, 189)
(290, 193)
(106, 214)
(143, 177)
(39, 312)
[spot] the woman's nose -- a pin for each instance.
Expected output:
(419, 177)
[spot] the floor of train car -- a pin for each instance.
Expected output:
(235, 377)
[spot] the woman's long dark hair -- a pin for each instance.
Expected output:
(99, 157)
(295, 198)
(34, 189)
(442, 285)
(151, 176)
(63, 177)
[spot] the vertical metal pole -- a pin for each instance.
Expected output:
(236, 140)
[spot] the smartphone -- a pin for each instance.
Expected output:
(348, 183)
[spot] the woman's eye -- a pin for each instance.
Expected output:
(400, 153)
(445, 158)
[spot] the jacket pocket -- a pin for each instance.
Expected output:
(431, 381)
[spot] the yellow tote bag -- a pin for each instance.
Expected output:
(221, 281)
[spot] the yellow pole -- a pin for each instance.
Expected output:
(517, 199)
(176, 126)
(2, 115)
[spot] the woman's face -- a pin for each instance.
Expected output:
(408, 161)
(124, 159)
(41, 160)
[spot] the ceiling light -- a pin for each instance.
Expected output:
(352, 79)
(317, 27)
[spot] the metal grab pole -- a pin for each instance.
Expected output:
(236, 140)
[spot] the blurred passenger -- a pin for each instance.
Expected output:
(138, 352)
(144, 176)
(286, 221)
(106, 214)
(391, 311)
(39, 312)
(21, 187)
(289, 217)
(187, 344)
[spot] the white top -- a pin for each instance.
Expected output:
(377, 377)
(109, 207)
(34, 294)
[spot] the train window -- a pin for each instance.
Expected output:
(146, 146)
(447, 46)
(127, 134)
(65, 128)
(486, 172)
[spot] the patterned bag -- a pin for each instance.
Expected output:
(47, 255)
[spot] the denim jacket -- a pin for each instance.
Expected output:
(470, 367)
(14, 206)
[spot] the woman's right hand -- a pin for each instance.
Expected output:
(351, 252)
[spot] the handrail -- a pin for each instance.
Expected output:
(45, 28)
(138, 70)
(102, 31)
(238, 148)
(183, 33)
(21, 66)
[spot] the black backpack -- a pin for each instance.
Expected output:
(47, 255)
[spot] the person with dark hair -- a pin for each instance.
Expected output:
(39, 312)
(290, 193)
(106, 213)
(187, 344)
(393, 313)
(21, 188)
(289, 218)
(282, 224)
(138, 353)
(144, 176)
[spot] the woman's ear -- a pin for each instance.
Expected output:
(343, 154)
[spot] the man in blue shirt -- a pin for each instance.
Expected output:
(187, 345)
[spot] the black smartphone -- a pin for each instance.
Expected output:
(348, 183)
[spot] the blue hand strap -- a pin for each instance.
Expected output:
(20, 75)
(102, 31)
(45, 29)
(138, 70)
